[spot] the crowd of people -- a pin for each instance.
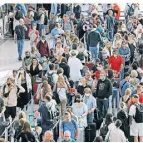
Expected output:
(84, 70)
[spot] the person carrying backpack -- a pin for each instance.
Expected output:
(67, 24)
(136, 119)
(18, 14)
(69, 125)
(47, 113)
(52, 76)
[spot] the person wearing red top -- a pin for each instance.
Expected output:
(117, 11)
(34, 35)
(115, 61)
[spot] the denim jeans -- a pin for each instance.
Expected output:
(102, 105)
(94, 52)
(110, 35)
(20, 44)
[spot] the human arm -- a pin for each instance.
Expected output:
(20, 89)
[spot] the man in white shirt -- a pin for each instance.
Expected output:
(75, 67)
(136, 119)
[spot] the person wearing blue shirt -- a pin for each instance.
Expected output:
(90, 101)
(69, 125)
(56, 33)
(124, 51)
(124, 84)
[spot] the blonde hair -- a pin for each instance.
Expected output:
(22, 115)
(110, 45)
(128, 91)
(61, 80)
(33, 49)
(134, 73)
(46, 88)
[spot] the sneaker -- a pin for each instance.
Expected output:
(20, 59)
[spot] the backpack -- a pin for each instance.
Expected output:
(36, 16)
(50, 79)
(130, 11)
(104, 131)
(139, 113)
(18, 15)
(81, 56)
(45, 20)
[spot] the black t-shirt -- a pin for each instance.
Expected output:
(27, 137)
(20, 32)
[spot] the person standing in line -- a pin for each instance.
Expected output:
(136, 119)
(94, 38)
(20, 36)
(110, 23)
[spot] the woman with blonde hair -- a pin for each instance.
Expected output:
(134, 81)
(45, 91)
(126, 97)
(22, 115)
(61, 88)
(107, 51)
(117, 41)
(26, 134)
(35, 53)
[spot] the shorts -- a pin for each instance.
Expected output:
(41, 27)
(136, 130)
(10, 111)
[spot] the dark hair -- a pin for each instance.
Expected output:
(118, 123)
(51, 66)
(48, 98)
(108, 118)
(135, 66)
(14, 71)
(126, 74)
(99, 139)
(141, 83)
(110, 74)
(115, 84)
(94, 14)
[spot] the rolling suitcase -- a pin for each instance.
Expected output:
(90, 132)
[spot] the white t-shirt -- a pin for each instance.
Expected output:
(42, 19)
(75, 67)
(116, 135)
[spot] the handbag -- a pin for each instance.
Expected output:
(56, 96)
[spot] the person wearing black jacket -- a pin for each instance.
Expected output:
(104, 90)
(93, 40)
(20, 36)
(65, 67)
(77, 11)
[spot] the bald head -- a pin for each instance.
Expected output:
(67, 135)
(48, 136)
(21, 21)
